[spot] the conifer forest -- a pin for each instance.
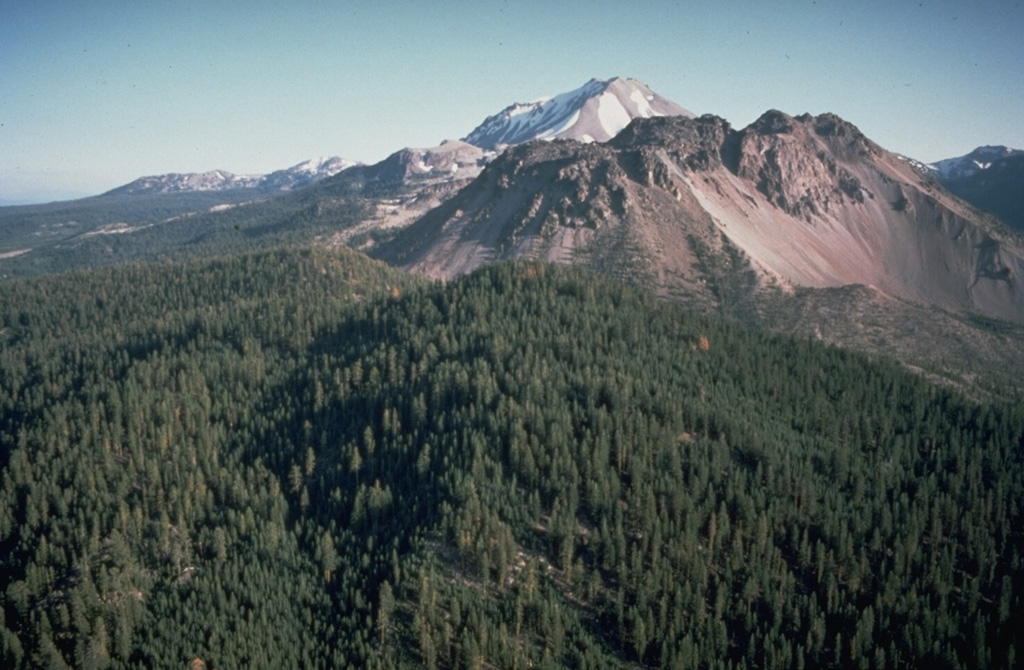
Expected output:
(303, 458)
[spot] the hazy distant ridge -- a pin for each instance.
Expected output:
(298, 176)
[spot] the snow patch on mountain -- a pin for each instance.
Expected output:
(643, 104)
(614, 117)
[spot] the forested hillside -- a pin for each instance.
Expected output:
(305, 459)
(121, 229)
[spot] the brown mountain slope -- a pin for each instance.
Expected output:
(705, 213)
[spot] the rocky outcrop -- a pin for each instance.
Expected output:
(795, 162)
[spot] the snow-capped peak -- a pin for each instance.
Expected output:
(595, 112)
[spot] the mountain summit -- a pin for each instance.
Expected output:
(595, 112)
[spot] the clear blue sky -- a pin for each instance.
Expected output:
(94, 94)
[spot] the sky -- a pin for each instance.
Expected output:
(96, 94)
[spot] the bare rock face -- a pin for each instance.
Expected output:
(703, 212)
(701, 144)
(794, 163)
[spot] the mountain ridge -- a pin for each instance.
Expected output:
(297, 176)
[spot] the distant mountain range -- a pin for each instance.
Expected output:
(298, 176)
